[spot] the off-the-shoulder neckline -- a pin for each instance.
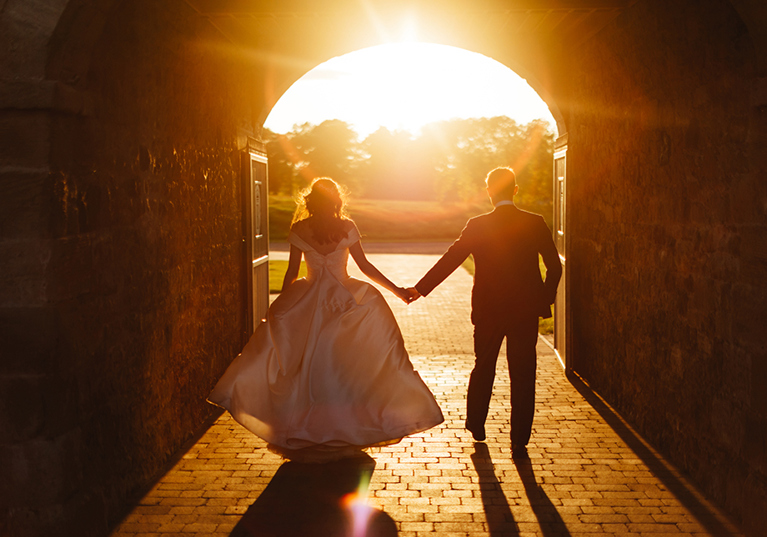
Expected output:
(310, 247)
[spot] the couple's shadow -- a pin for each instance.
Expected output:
(500, 519)
(310, 500)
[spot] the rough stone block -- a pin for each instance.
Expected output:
(755, 498)
(71, 269)
(28, 340)
(758, 402)
(42, 95)
(25, 29)
(83, 515)
(24, 203)
(22, 266)
(25, 139)
(21, 407)
(41, 472)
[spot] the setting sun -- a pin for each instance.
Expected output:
(404, 86)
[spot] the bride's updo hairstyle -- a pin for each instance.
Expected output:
(325, 201)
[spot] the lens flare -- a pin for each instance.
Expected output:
(356, 503)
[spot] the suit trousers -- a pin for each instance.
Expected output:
(521, 338)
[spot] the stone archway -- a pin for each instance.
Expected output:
(119, 225)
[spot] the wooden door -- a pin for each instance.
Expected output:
(561, 316)
(256, 226)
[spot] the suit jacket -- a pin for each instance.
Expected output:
(505, 244)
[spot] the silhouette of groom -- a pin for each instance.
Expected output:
(507, 298)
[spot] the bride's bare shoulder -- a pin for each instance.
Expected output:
(301, 228)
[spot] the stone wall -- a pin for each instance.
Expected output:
(124, 284)
(667, 203)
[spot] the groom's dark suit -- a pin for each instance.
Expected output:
(508, 297)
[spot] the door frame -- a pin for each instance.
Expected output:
(562, 317)
(255, 197)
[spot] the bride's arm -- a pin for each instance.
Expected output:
(294, 263)
(369, 270)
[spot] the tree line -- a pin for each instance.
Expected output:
(446, 162)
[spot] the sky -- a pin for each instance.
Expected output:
(403, 86)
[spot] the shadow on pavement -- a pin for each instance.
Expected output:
(500, 520)
(549, 519)
(309, 500)
(691, 499)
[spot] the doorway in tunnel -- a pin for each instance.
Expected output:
(255, 201)
(561, 316)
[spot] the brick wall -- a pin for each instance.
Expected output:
(666, 175)
(128, 298)
(121, 297)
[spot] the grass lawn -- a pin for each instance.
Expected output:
(389, 220)
(277, 270)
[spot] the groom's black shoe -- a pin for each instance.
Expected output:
(519, 452)
(478, 433)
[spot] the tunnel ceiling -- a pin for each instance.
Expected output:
(291, 37)
(548, 23)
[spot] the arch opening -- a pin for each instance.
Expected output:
(404, 86)
(441, 111)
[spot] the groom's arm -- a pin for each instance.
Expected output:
(550, 255)
(450, 260)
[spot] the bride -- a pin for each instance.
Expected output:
(327, 374)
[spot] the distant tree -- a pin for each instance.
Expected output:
(281, 169)
(469, 148)
(326, 150)
(397, 166)
(452, 181)
(533, 163)
(448, 161)
(377, 149)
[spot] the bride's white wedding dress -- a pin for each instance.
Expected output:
(328, 370)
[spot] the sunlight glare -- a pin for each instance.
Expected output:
(409, 30)
(403, 86)
(357, 503)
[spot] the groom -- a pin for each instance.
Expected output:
(508, 297)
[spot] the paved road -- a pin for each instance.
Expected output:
(588, 474)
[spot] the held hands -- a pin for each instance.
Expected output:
(408, 295)
(414, 294)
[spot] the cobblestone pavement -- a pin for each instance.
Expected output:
(588, 472)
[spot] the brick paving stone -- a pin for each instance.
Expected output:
(583, 477)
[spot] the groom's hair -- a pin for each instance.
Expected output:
(501, 182)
